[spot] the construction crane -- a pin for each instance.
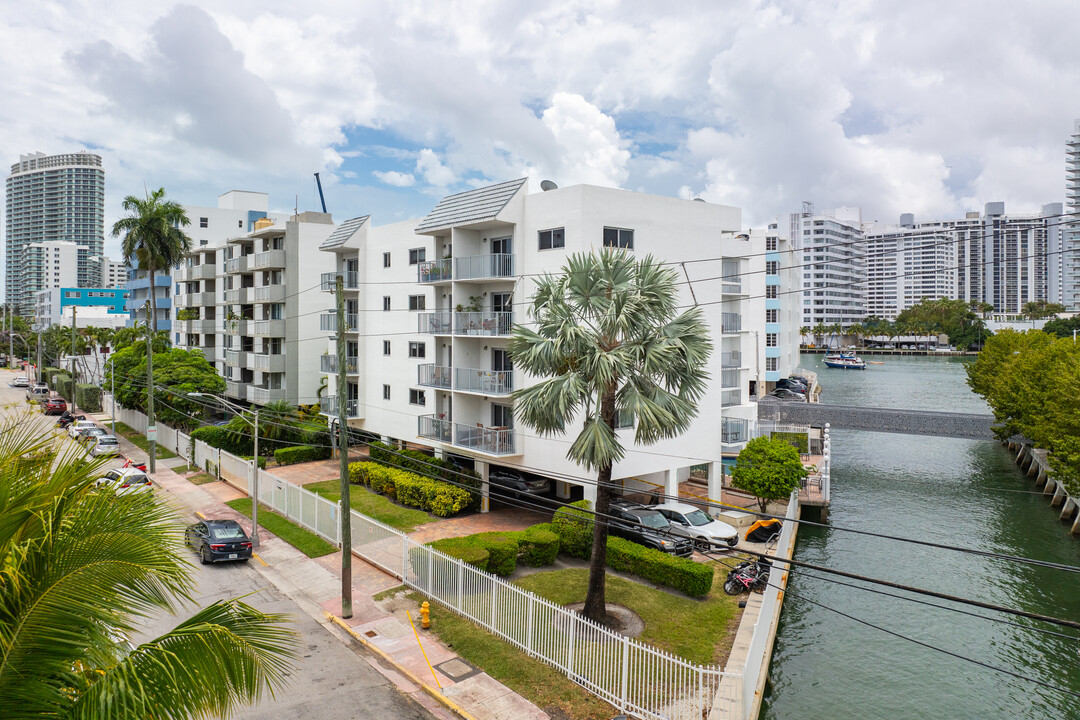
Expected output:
(321, 198)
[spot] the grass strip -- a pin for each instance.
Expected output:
(303, 540)
(140, 441)
(389, 592)
(373, 505)
(202, 478)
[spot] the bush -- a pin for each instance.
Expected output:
(262, 460)
(434, 496)
(538, 545)
(218, 437)
(47, 373)
(300, 454)
(502, 548)
(798, 441)
(427, 466)
(464, 549)
(573, 524)
(61, 383)
(88, 397)
(683, 574)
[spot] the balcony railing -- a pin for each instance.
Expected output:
(270, 293)
(431, 271)
(729, 378)
(265, 395)
(465, 323)
(734, 430)
(268, 363)
(729, 398)
(490, 440)
(731, 359)
(328, 364)
(484, 266)
(730, 323)
(488, 382)
(205, 271)
(436, 323)
(236, 357)
(732, 282)
(350, 280)
(328, 322)
(237, 264)
(269, 259)
(269, 328)
(234, 389)
(329, 406)
(431, 375)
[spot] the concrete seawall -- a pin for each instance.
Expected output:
(1034, 463)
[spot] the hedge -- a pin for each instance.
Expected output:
(61, 383)
(464, 549)
(499, 552)
(683, 574)
(88, 397)
(573, 524)
(799, 441)
(47, 373)
(427, 465)
(262, 460)
(218, 437)
(538, 545)
(300, 454)
(435, 496)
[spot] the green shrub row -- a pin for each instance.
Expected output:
(47, 373)
(218, 437)
(301, 454)
(573, 524)
(500, 552)
(435, 496)
(61, 383)
(799, 441)
(682, 574)
(88, 397)
(427, 465)
(262, 460)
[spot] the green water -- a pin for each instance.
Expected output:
(955, 492)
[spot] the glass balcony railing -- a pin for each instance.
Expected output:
(329, 406)
(328, 364)
(328, 322)
(490, 440)
(728, 398)
(730, 323)
(431, 271)
(729, 378)
(437, 376)
(350, 280)
(487, 382)
(731, 359)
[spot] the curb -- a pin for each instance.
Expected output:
(435, 694)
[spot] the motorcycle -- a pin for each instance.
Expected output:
(748, 576)
(131, 464)
(66, 418)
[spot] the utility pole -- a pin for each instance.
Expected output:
(74, 308)
(112, 391)
(151, 428)
(343, 453)
(255, 487)
(37, 374)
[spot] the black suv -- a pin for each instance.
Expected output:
(645, 526)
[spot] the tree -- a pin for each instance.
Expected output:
(80, 566)
(769, 469)
(1064, 327)
(857, 331)
(819, 332)
(805, 331)
(609, 340)
(1039, 309)
(153, 236)
(177, 372)
(279, 424)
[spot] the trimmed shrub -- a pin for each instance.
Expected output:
(88, 397)
(218, 437)
(300, 454)
(538, 545)
(427, 466)
(573, 524)
(464, 549)
(798, 441)
(502, 548)
(47, 373)
(262, 460)
(435, 496)
(682, 574)
(61, 383)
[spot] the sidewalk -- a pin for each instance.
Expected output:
(315, 586)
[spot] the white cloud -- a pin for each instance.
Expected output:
(395, 178)
(431, 169)
(591, 149)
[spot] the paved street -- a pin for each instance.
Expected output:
(332, 680)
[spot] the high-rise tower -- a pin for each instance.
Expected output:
(1070, 240)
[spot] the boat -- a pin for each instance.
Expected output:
(845, 361)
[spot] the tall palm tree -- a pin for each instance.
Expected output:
(153, 236)
(819, 332)
(78, 568)
(804, 331)
(857, 331)
(610, 340)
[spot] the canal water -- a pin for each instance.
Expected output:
(955, 492)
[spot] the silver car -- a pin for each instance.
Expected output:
(105, 446)
(694, 523)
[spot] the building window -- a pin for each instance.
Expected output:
(417, 255)
(417, 302)
(772, 364)
(416, 397)
(772, 315)
(71, 294)
(386, 260)
(552, 239)
(386, 302)
(417, 349)
(385, 392)
(770, 292)
(385, 347)
(770, 339)
(770, 243)
(619, 238)
(772, 267)
(204, 222)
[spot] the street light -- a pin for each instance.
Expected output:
(254, 463)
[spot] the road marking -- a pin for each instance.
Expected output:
(200, 514)
(256, 556)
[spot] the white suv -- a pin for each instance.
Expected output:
(694, 523)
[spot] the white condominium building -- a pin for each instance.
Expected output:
(906, 263)
(50, 264)
(430, 305)
(829, 247)
(1067, 261)
(114, 274)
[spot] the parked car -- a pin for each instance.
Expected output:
(21, 382)
(788, 384)
(37, 393)
(88, 436)
(79, 425)
(124, 481)
(518, 484)
(785, 394)
(648, 527)
(105, 446)
(217, 540)
(695, 524)
(54, 406)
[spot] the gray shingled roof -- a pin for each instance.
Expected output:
(344, 231)
(471, 206)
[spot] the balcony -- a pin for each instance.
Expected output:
(731, 281)
(237, 264)
(205, 271)
(485, 382)
(269, 259)
(433, 271)
(328, 322)
(729, 378)
(731, 359)
(328, 364)
(269, 328)
(435, 323)
(261, 396)
(268, 363)
(734, 430)
(488, 440)
(436, 376)
(196, 326)
(730, 398)
(234, 389)
(466, 323)
(236, 358)
(329, 406)
(482, 267)
(270, 293)
(350, 280)
(239, 296)
(730, 323)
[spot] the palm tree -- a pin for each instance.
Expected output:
(153, 236)
(804, 331)
(80, 566)
(609, 339)
(819, 332)
(278, 420)
(857, 331)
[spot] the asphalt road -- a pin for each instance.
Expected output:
(331, 680)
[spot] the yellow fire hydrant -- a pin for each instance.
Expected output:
(425, 615)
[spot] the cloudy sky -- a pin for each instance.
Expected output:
(917, 106)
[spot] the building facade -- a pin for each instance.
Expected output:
(95, 307)
(1067, 262)
(53, 198)
(830, 249)
(906, 263)
(430, 305)
(50, 264)
(113, 273)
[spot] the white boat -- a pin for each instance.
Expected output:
(845, 361)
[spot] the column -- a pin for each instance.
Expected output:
(485, 487)
(590, 492)
(716, 481)
(562, 490)
(671, 485)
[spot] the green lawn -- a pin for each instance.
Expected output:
(306, 542)
(700, 631)
(140, 441)
(373, 505)
(202, 478)
(550, 690)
